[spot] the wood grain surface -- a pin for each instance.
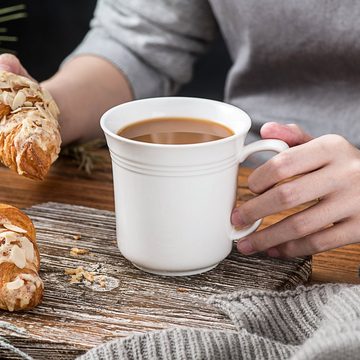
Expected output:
(76, 317)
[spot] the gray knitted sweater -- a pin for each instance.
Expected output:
(293, 61)
(321, 322)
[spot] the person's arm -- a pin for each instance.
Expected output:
(84, 88)
(132, 51)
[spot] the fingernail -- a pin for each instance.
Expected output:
(245, 247)
(236, 219)
(273, 252)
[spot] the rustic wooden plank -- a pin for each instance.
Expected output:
(339, 265)
(76, 317)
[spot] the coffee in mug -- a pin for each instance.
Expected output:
(175, 130)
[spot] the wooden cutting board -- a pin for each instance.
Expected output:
(77, 317)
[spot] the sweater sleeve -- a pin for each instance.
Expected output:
(154, 43)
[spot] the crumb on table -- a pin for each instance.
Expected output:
(79, 274)
(181, 289)
(77, 251)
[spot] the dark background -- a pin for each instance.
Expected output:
(52, 29)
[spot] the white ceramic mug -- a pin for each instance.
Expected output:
(173, 202)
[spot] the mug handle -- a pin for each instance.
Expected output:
(261, 145)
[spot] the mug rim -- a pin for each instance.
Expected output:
(115, 136)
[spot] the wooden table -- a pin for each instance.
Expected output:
(67, 184)
(171, 305)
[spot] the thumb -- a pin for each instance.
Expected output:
(11, 63)
(290, 133)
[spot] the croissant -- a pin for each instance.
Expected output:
(29, 130)
(20, 285)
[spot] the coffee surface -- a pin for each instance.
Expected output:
(175, 130)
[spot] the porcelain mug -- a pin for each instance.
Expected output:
(173, 203)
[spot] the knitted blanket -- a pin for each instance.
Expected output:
(318, 322)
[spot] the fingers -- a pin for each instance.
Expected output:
(286, 196)
(295, 161)
(290, 133)
(300, 225)
(340, 234)
(11, 63)
(330, 169)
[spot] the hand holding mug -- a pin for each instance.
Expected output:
(330, 171)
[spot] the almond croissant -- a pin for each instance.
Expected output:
(29, 130)
(20, 285)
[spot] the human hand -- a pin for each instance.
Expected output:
(330, 171)
(11, 63)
